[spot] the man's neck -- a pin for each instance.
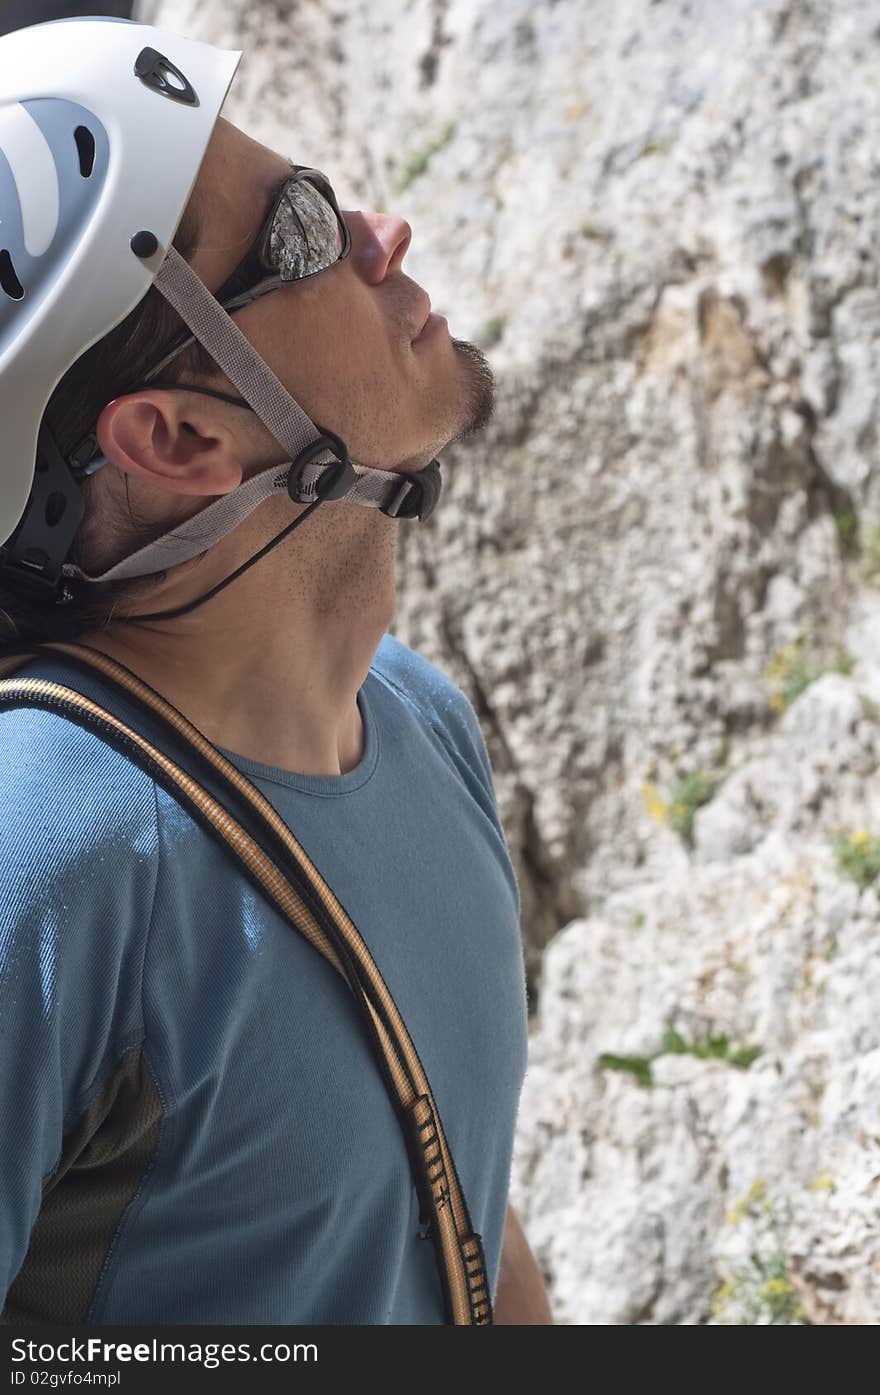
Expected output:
(296, 711)
(271, 668)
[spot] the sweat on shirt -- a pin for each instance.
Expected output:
(193, 1127)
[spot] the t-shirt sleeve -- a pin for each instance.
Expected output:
(79, 859)
(451, 715)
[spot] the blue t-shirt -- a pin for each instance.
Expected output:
(193, 1127)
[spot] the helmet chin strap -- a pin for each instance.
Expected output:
(319, 468)
(191, 605)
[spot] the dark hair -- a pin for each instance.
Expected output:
(112, 367)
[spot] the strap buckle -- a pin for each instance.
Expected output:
(336, 481)
(418, 494)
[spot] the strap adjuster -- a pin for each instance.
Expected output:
(336, 481)
(418, 494)
(393, 509)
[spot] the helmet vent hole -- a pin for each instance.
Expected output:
(55, 506)
(8, 279)
(85, 144)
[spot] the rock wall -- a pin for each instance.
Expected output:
(656, 575)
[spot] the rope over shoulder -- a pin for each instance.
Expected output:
(249, 829)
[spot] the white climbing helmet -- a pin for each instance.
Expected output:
(104, 125)
(82, 169)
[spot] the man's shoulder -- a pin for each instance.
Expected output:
(441, 703)
(425, 685)
(65, 787)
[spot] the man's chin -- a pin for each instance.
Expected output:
(478, 389)
(474, 406)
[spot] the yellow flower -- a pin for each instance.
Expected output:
(824, 1182)
(723, 1294)
(777, 1288)
(654, 804)
(860, 838)
(756, 1192)
(777, 702)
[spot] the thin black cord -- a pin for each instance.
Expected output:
(184, 609)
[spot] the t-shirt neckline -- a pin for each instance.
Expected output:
(327, 785)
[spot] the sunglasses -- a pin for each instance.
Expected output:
(304, 233)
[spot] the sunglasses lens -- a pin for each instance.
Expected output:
(305, 236)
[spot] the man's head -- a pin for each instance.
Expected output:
(341, 342)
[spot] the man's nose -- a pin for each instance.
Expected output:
(378, 242)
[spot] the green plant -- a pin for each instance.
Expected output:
(858, 856)
(673, 1044)
(767, 1295)
(419, 161)
(847, 524)
(715, 1048)
(493, 331)
(687, 797)
(788, 667)
(760, 1292)
(791, 671)
(842, 663)
(870, 708)
(870, 568)
(639, 1066)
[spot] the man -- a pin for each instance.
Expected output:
(157, 1013)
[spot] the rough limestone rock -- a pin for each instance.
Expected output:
(658, 565)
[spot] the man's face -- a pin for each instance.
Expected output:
(341, 341)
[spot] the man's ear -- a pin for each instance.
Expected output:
(172, 445)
